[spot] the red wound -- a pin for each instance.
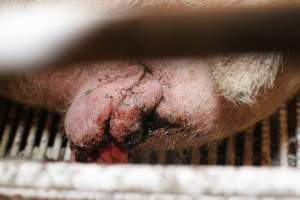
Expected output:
(111, 154)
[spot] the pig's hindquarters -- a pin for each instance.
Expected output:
(198, 109)
(104, 102)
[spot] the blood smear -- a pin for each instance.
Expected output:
(112, 154)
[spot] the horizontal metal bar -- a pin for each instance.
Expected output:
(180, 180)
(197, 32)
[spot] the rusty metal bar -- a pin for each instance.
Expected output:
(230, 151)
(248, 148)
(212, 154)
(266, 142)
(298, 129)
(283, 136)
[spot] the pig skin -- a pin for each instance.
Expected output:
(198, 100)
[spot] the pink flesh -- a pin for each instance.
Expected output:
(107, 153)
(113, 110)
(111, 153)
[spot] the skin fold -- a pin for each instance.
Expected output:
(178, 102)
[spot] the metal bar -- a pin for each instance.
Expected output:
(31, 138)
(20, 131)
(266, 143)
(17, 141)
(67, 155)
(248, 148)
(298, 129)
(197, 32)
(4, 140)
(4, 134)
(142, 179)
(230, 151)
(283, 136)
(57, 146)
(212, 154)
(7, 132)
(196, 156)
(161, 157)
(41, 151)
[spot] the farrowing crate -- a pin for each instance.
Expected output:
(34, 157)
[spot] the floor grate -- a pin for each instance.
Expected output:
(31, 134)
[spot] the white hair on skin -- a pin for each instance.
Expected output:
(240, 78)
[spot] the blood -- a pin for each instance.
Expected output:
(106, 153)
(111, 153)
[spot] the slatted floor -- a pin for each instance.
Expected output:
(31, 134)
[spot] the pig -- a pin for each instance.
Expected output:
(175, 102)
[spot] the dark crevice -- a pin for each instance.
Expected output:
(204, 155)
(292, 137)
(274, 128)
(15, 120)
(222, 153)
(28, 123)
(239, 149)
(257, 142)
(42, 116)
(53, 128)
(5, 109)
